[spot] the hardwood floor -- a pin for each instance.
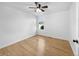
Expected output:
(38, 46)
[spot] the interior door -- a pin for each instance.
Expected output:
(77, 28)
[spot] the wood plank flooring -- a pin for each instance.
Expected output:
(38, 46)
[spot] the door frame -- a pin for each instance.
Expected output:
(77, 20)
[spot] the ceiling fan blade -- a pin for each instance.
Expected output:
(36, 3)
(44, 6)
(32, 7)
(39, 6)
(42, 10)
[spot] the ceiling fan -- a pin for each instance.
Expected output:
(39, 7)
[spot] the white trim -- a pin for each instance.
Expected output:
(76, 19)
(77, 27)
(70, 42)
(13, 42)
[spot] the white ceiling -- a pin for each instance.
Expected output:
(58, 6)
(52, 6)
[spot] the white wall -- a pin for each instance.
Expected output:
(15, 25)
(57, 25)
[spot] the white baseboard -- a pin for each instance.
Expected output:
(54, 36)
(13, 42)
(72, 48)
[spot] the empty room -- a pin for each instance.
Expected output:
(39, 29)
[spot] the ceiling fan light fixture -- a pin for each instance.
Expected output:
(38, 10)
